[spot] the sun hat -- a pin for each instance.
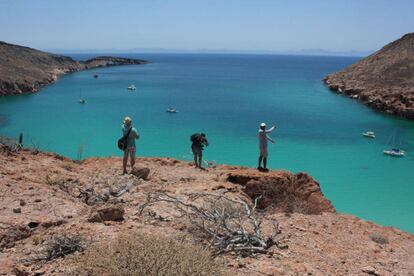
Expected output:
(127, 120)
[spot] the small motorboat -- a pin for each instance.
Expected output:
(395, 152)
(172, 110)
(369, 134)
(132, 87)
(95, 76)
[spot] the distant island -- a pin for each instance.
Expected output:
(383, 80)
(26, 70)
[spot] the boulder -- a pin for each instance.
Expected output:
(20, 270)
(111, 213)
(370, 270)
(10, 235)
(140, 172)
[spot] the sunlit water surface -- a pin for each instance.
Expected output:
(227, 96)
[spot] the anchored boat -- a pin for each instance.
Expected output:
(132, 87)
(172, 110)
(369, 134)
(81, 99)
(395, 152)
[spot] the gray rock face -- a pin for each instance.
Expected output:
(383, 81)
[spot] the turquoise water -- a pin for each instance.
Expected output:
(227, 96)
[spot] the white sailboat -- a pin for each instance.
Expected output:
(394, 151)
(171, 110)
(81, 100)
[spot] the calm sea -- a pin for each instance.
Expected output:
(227, 96)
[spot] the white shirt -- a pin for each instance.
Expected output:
(263, 137)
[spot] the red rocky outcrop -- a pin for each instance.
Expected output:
(283, 191)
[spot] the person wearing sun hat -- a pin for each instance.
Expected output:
(263, 138)
(132, 134)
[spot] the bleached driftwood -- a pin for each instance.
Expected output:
(231, 225)
(125, 189)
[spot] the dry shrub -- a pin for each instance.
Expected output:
(229, 225)
(62, 246)
(378, 238)
(139, 254)
(68, 166)
(37, 240)
(297, 205)
(54, 181)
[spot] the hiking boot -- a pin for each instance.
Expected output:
(260, 169)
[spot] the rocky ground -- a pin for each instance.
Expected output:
(45, 195)
(26, 70)
(383, 81)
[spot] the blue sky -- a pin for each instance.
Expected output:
(277, 25)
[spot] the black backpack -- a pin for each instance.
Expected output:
(123, 141)
(195, 138)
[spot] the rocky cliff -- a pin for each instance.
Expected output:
(383, 80)
(26, 70)
(44, 196)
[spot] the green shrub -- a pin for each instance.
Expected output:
(379, 238)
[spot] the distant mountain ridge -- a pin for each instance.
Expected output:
(305, 52)
(383, 80)
(26, 70)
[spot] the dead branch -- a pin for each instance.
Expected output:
(230, 225)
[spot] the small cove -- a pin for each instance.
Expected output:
(227, 96)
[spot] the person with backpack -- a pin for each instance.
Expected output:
(198, 140)
(263, 138)
(127, 143)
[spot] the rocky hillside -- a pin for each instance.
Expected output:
(45, 196)
(26, 70)
(105, 61)
(383, 80)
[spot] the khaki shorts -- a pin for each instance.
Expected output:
(263, 152)
(197, 151)
(130, 151)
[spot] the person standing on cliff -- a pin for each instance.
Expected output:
(263, 138)
(198, 141)
(132, 134)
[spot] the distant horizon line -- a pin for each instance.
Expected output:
(309, 52)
